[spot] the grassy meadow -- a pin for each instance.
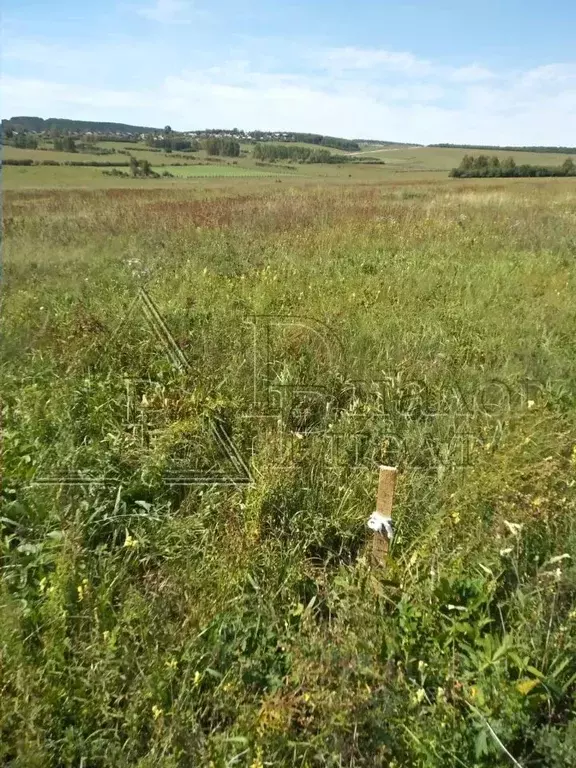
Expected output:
(199, 381)
(392, 164)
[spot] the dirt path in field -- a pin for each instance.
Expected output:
(384, 149)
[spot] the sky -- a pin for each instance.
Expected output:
(428, 71)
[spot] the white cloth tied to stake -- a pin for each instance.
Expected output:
(381, 524)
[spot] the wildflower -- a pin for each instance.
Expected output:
(506, 551)
(156, 712)
(82, 589)
(258, 762)
(558, 574)
(422, 666)
(420, 695)
(531, 404)
(525, 686)
(130, 541)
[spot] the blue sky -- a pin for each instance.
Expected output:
(493, 72)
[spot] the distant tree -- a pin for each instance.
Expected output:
(212, 146)
(64, 144)
(481, 167)
(145, 167)
(509, 167)
(230, 148)
(467, 163)
(134, 166)
(481, 163)
(25, 140)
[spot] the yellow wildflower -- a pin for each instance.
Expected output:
(130, 541)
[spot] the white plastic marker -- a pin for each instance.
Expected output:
(381, 521)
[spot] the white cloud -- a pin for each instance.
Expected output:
(167, 11)
(439, 104)
(31, 96)
(551, 75)
(471, 74)
(350, 58)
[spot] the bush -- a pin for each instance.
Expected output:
(116, 172)
(485, 167)
(17, 161)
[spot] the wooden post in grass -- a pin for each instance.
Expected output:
(384, 502)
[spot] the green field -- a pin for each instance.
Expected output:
(48, 154)
(440, 159)
(400, 165)
(220, 170)
(200, 379)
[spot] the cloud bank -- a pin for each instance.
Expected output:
(346, 91)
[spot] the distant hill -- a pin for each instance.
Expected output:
(63, 125)
(376, 143)
(555, 150)
(38, 125)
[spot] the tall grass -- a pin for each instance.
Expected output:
(323, 331)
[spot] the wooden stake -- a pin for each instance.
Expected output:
(384, 502)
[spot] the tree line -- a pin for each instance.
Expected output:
(224, 146)
(273, 152)
(319, 139)
(172, 143)
(555, 150)
(62, 125)
(64, 144)
(312, 138)
(490, 167)
(21, 140)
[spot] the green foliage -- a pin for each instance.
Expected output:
(486, 167)
(23, 140)
(221, 146)
(61, 125)
(17, 161)
(141, 168)
(170, 143)
(284, 136)
(274, 152)
(64, 144)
